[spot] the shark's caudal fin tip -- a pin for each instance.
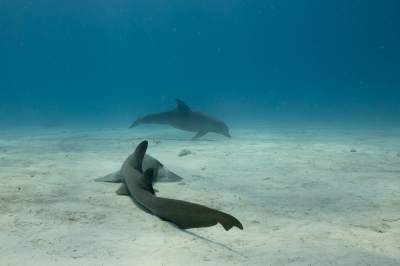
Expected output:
(231, 223)
(188, 215)
(239, 225)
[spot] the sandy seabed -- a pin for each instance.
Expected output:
(305, 196)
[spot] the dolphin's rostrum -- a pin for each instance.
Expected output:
(186, 119)
(184, 214)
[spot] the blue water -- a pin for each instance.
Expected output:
(246, 62)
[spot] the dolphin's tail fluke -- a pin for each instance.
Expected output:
(136, 123)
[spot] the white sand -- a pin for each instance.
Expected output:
(301, 195)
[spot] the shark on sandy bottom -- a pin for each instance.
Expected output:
(186, 119)
(161, 173)
(137, 181)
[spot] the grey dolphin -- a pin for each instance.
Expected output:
(186, 119)
(184, 214)
(161, 174)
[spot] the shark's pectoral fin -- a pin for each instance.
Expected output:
(123, 190)
(113, 177)
(172, 177)
(199, 134)
(164, 175)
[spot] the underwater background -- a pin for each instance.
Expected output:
(249, 63)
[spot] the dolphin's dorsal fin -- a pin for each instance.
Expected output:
(182, 107)
(146, 180)
(123, 190)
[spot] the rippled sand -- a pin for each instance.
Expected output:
(305, 195)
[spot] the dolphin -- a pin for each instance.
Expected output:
(161, 174)
(138, 182)
(186, 119)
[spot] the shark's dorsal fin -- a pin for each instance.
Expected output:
(137, 157)
(182, 107)
(146, 180)
(123, 190)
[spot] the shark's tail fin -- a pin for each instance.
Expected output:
(136, 123)
(190, 215)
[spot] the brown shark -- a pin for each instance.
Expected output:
(186, 119)
(184, 214)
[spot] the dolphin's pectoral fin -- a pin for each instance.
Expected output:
(146, 180)
(123, 190)
(136, 123)
(199, 134)
(113, 177)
